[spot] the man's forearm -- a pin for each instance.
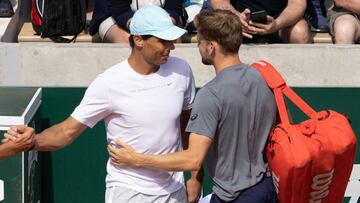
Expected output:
(59, 135)
(178, 161)
(291, 14)
(187, 160)
(5, 151)
(51, 139)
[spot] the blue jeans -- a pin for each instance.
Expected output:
(262, 192)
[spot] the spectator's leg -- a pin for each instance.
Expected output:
(116, 35)
(109, 31)
(346, 29)
(298, 33)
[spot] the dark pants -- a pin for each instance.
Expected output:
(263, 192)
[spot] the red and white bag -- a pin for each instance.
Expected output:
(310, 161)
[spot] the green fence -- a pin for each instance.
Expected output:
(77, 173)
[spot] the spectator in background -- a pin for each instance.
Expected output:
(285, 20)
(192, 8)
(344, 21)
(18, 145)
(111, 18)
(316, 15)
(6, 9)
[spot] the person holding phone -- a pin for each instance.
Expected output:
(284, 19)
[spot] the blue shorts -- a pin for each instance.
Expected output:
(262, 192)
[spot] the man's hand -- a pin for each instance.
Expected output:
(21, 138)
(247, 29)
(264, 29)
(122, 154)
(193, 189)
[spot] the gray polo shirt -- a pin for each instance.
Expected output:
(236, 110)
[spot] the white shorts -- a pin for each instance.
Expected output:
(122, 194)
(105, 26)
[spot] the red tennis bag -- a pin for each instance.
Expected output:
(310, 161)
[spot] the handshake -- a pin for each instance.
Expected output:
(17, 139)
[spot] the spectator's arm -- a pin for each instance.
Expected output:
(351, 5)
(244, 16)
(174, 8)
(121, 11)
(223, 4)
(293, 12)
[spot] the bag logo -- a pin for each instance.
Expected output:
(261, 63)
(320, 186)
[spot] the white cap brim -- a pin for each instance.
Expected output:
(172, 33)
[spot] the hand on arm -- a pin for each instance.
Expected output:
(187, 160)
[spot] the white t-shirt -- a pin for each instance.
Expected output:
(143, 111)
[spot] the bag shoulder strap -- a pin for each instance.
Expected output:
(276, 82)
(270, 74)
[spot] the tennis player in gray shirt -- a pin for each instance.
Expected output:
(231, 119)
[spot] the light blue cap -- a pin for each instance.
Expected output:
(155, 21)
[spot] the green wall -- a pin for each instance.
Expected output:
(77, 173)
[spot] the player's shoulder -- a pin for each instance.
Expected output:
(177, 62)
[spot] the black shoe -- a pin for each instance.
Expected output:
(316, 15)
(6, 9)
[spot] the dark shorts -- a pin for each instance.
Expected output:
(263, 192)
(263, 39)
(334, 12)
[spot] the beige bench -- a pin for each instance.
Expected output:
(316, 37)
(27, 34)
(321, 37)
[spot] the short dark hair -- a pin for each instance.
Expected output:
(131, 39)
(221, 26)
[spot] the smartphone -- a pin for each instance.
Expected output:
(259, 17)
